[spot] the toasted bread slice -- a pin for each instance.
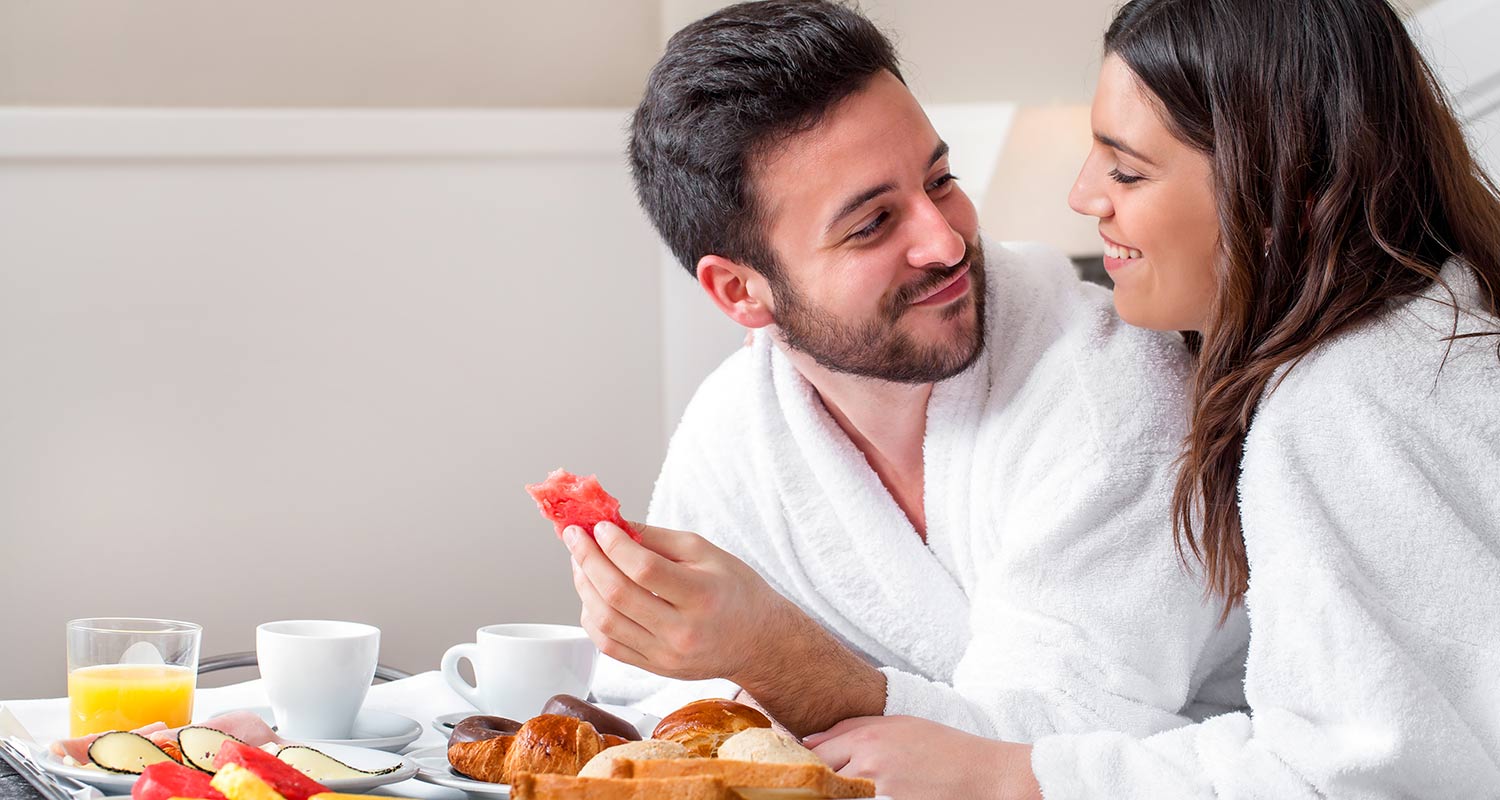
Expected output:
(569, 787)
(815, 778)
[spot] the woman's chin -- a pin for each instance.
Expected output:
(1156, 316)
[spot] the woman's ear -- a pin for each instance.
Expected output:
(742, 293)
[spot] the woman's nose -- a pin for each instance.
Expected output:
(1087, 196)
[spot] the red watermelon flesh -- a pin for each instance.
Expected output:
(169, 779)
(567, 499)
(286, 779)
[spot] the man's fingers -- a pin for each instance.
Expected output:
(615, 634)
(614, 588)
(651, 571)
(674, 545)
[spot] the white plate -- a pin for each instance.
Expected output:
(433, 767)
(359, 757)
(377, 730)
(643, 722)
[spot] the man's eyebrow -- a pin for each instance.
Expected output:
(873, 192)
(1109, 141)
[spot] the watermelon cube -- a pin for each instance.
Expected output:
(566, 499)
(168, 779)
(286, 779)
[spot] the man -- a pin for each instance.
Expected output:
(937, 482)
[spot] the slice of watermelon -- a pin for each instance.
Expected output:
(567, 499)
(286, 779)
(165, 780)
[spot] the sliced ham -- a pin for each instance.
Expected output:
(79, 748)
(247, 726)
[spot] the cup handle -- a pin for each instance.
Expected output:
(451, 658)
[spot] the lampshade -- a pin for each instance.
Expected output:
(1027, 196)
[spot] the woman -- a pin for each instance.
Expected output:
(1283, 180)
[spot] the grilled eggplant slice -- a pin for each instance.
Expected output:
(200, 745)
(320, 766)
(126, 753)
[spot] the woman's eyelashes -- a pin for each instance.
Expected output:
(1124, 177)
(875, 225)
(942, 182)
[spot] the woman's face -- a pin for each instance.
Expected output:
(1154, 199)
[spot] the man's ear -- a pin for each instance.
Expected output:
(739, 291)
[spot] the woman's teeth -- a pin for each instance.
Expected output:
(1121, 252)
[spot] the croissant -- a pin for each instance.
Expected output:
(549, 743)
(702, 726)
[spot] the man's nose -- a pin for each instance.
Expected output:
(936, 243)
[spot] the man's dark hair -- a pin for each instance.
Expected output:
(729, 87)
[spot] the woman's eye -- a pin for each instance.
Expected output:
(1123, 177)
(871, 229)
(941, 182)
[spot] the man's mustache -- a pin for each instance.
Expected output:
(911, 293)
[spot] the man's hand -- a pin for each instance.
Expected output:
(916, 759)
(676, 605)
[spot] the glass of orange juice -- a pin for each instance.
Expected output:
(126, 673)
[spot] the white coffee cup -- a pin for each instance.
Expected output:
(316, 674)
(519, 666)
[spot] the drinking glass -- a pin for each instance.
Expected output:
(126, 673)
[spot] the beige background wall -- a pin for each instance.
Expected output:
(338, 53)
(484, 53)
(304, 371)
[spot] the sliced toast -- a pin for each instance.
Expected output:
(569, 787)
(815, 778)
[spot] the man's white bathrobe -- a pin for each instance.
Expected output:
(1370, 500)
(1049, 596)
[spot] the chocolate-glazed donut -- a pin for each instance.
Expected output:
(479, 727)
(604, 722)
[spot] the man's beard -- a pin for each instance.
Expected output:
(878, 348)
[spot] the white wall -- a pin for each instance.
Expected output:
(339, 53)
(1458, 37)
(276, 364)
(425, 53)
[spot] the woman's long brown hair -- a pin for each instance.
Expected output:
(1343, 181)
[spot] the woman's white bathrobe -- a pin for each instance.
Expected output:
(1370, 500)
(1049, 596)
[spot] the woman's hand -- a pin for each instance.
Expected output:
(915, 759)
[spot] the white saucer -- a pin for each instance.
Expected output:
(377, 730)
(643, 722)
(433, 767)
(358, 757)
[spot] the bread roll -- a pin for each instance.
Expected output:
(702, 726)
(764, 746)
(599, 766)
